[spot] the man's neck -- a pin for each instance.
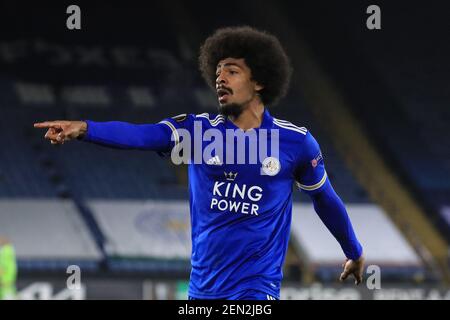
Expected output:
(251, 117)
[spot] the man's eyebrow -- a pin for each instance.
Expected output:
(228, 64)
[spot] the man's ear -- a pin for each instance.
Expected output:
(258, 87)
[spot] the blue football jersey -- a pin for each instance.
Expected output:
(241, 212)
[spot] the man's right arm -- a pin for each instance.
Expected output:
(123, 135)
(115, 134)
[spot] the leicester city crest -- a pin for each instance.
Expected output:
(270, 166)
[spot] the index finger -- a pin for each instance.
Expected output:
(47, 124)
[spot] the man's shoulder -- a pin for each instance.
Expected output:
(209, 118)
(290, 131)
(187, 120)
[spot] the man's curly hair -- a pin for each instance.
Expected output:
(262, 52)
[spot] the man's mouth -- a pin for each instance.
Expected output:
(223, 94)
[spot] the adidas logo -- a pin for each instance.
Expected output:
(214, 161)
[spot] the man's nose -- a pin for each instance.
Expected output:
(221, 79)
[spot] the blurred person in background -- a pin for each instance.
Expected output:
(8, 270)
(240, 213)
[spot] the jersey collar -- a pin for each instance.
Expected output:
(266, 123)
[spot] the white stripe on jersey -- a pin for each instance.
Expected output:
(290, 127)
(290, 124)
(174, 131)
(314, 186)
(218, 119)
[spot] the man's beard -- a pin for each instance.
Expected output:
(233, 110)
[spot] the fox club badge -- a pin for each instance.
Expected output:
(270, 166)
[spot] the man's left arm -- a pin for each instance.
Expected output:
(332, 212)
(312, 179)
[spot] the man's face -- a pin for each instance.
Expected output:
(234, 85)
